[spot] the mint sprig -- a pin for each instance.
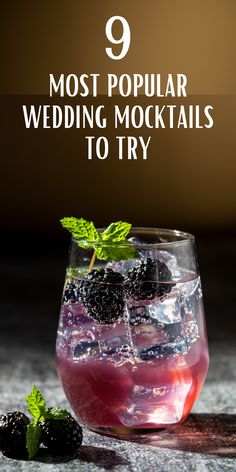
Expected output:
(38, 409)
(110, 245)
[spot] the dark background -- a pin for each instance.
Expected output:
(188, 181)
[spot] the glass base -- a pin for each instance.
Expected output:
(125, 433)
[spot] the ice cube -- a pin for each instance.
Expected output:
(138, 314)
(190, 329)
(86, 349)
(148, 330)
(112, 338)
(189, 288)
(189, 307)
(162, 405)
(145, 335)
(113, 345)
(163, 350)
(171, 262)
(174, 331)
(123, 266)
(166, 311)
(72, 314)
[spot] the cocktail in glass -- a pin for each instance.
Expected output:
(131, 348)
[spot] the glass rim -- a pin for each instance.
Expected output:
(179, 238)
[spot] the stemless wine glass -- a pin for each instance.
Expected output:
(131, 348)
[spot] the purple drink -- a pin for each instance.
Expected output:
(143, 369)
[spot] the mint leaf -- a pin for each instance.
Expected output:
(116, 252)
(38, 409)
(112, 250)
(36, 404)
(56, 414)
(33, 439)
(116, 231)
(81, 230)
(116, 234)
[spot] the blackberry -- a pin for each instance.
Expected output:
(102, 294)
(13, 428)
(61, 436)
(70, 293)
(148, 279)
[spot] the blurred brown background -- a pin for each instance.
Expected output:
(188, 180)
(194, 37)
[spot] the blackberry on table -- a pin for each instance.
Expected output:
(102, 294)
(149, 279)
(13, 428)
(61, 436)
